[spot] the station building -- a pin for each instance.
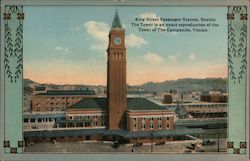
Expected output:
(141, 115)
(83, 109)
(58, 100)
(206, 110)
(81, 115)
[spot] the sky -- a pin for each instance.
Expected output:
(67, 45)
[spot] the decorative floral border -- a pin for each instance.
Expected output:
(237, 50)
(13, 42)
(13, 56)
(237, 58)
(13, 51)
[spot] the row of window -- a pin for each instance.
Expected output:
(52, 108)
(151, 126)
(81, 117)
(39, 120)
(117, 55)
(87, 124)
(55, 103)
(219, 105)
(55, 109)
(59, 98)
(151, 119)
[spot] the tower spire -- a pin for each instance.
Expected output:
(116, 21)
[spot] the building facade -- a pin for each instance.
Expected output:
(206, 110)
(150, 120)
(58, 100)
(88, 113)
(141, 115)
(214, 97)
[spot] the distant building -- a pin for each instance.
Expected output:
(199, 109)
(167, 98)
(39, 89)
(206, 110)
(213, 97)
(214, 92)
(138, 93)
(180, 97)
(58, 100)
(69, 87)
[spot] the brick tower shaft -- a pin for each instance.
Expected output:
(116, 81)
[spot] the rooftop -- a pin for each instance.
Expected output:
(91, 103)
(102, 104)
(68, 92)
(43, 115)
(142, 104)
(40, 88)
(116, 21)
(105, 132)
(200, 122)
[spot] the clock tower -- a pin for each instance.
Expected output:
(116, 73)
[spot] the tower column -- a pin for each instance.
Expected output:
(116, 81)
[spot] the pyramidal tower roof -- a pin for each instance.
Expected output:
(116, 21)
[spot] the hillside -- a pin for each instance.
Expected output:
(181, 85)
(188, 84)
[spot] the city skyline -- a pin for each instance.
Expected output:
(74, 44)
(104, 85)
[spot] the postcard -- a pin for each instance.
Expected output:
(119, 80)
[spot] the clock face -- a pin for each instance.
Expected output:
(117, 40)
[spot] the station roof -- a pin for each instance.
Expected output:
(102, 104)
(207, 110)
(44, 115)
(142, 104)
(90, 103)
(106, 132)
(138, 92)
(200, 122)
(68, 92)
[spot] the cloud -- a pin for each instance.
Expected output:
(153, 58)
(173, 57)
(58, 48)
(159, 22)
(154, 16)
(133, 40)
(192, 56)
(99, 31)
(62, 49)
(124, 26)
(99, 47)
(76, 28)
(149, 15)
